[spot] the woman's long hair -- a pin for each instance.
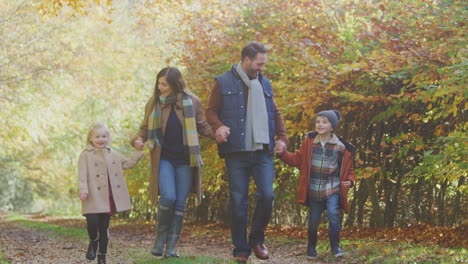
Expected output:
(173, 78)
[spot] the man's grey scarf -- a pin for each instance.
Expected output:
(256, 131)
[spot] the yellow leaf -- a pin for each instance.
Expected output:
(366, 175)
(415, 116)
(439, 130)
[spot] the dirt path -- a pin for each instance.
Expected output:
(127, 242)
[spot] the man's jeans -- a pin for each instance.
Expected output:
(331, 204)
(240, 166)
(174, 184)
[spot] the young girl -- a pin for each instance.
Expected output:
(326, 169)
(102, 187)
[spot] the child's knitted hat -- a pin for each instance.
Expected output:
(332, 115)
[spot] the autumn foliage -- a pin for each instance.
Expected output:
(396, 70)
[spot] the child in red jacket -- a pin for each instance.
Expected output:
(326, 173)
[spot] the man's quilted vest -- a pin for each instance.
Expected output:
(234, 109)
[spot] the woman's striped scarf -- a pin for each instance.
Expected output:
(155, 133)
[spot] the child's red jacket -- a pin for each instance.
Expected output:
(302, 160)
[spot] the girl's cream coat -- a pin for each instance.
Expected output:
(203, 128)
(98, 167)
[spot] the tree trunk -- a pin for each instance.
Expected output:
(376, 218)
(441, 203)
(362, 195)
(417, 199)
(459, 208)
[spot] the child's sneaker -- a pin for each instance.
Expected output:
(311, 253)
(337, 252)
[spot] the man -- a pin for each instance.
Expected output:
(246, 119)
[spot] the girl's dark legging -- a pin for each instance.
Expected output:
(99, 224)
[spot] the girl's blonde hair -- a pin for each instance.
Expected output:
(93, 128)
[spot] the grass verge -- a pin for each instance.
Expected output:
(54, 231)
(183, 260)
(372, 251)
(3, 260)
(141, 256)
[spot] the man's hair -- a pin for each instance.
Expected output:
(252, 49)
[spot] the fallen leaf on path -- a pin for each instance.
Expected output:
(69, 247)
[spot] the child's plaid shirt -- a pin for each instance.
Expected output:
(325, 168)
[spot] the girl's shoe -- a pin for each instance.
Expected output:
(92, 248)
(311, 254)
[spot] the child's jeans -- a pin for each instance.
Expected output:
(331, 204)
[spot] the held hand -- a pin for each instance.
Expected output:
(222, 133)
(280, 147)
(138, 144)
(346, 184)
(83, 196)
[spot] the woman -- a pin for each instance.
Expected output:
(173, 119)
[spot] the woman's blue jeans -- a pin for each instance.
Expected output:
(331, 205)
(174, 184)
(240, 167)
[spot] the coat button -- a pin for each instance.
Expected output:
(115, 175)
(97, 175)
(113, 162)
(95, 164)
(99, 188)
(118, 186)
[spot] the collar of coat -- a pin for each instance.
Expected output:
(334, 140)
(349, 147)
(91, 148)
